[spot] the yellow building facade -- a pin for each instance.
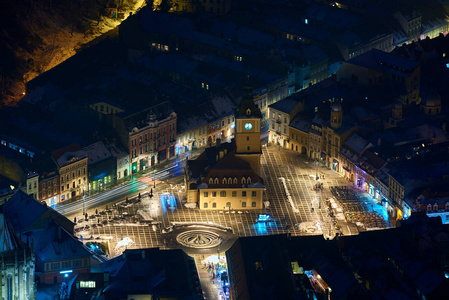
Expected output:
(72, 163)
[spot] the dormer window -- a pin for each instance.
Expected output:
(224, 181)
(235, 180)
(248, 180)
(216, 181)
(248, 112)
(211, 181)
(243, 180)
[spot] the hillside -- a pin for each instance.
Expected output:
(36, 35)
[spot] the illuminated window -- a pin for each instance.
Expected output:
(258, 265)
(87, 284)
(206, 194)
(234, 194)
(223, 194)
(243, 204)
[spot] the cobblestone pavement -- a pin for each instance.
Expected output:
(285, 173)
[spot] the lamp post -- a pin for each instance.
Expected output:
(154, 177)
(84, 200)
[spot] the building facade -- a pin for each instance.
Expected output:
(153, 142)
(17, 265)
(72, 164)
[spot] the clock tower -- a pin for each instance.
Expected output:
(247, 131)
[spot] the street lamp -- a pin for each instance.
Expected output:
(84, 200)
(154, 177)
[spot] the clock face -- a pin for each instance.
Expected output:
(248, 126)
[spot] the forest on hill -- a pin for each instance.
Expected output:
(37, 35)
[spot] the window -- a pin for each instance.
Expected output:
(243, 204)
(254, 193)
(244, 194)
(55, 266)
(9, 287)
(216, 181)
(228, 204)
(247, 138)
(214, 194)
(211, 181)
(248, 181)
(224, 181)
(234, 194)
(243, 180)
(87, 284)
(247, 148)
(205, 204)
(223, 194)
(235, 180)
(206, 194)
(214, 205)
(253, 204)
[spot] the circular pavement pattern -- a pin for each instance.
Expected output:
(198, 239)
